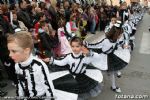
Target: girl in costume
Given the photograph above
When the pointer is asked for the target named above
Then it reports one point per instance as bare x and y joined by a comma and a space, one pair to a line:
65, 47
128, 32
71, 27
77, 76
108, 46
111, 24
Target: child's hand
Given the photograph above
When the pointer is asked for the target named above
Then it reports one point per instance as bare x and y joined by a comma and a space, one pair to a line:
46, 60
85, 50
126, 46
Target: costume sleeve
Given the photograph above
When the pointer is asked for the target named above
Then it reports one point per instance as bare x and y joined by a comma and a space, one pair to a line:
126, 34
92, 55
107, 46
48, 85
104, 45
107, 29
19, 90
99, 60
61, 61
129, 29
95, 45
68, 28
42, 79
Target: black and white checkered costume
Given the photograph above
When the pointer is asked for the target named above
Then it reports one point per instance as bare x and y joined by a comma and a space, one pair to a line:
74, 74
109, 52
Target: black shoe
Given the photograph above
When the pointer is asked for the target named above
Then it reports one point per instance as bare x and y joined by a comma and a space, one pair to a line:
92, 32
117, 90
3, 85
119, 74
2, 93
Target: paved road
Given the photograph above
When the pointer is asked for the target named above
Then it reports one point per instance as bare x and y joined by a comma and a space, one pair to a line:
136, 77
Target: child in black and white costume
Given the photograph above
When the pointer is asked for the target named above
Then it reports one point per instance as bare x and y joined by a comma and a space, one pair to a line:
109, 47
132, 23
111, 24
78, 76
128, 32
32, 73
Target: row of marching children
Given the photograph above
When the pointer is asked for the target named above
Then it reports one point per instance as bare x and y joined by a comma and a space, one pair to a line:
77, 74
119, 50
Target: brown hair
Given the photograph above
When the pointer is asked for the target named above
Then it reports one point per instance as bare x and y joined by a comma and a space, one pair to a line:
77, 39
61, 22
42, 23
66, 4
114, 33
73, 15
22, 38
14, 12
4, 8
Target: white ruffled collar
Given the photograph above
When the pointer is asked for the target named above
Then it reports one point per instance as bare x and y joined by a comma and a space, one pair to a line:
77, 55
27, 62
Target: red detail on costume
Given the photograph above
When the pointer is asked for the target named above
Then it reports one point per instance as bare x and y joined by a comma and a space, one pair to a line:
62, 33
72, 28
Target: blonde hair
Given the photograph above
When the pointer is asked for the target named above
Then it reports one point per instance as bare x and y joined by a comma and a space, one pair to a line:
22, 38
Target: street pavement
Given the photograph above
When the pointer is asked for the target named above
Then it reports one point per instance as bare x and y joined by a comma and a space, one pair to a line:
135, 80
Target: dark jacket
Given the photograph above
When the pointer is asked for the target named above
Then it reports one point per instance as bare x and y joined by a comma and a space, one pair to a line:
5, 28
47, 41
25, 18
